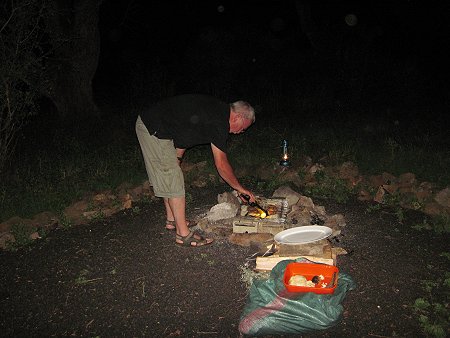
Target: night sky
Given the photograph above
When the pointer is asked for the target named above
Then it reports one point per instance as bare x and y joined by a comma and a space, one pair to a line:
389, 55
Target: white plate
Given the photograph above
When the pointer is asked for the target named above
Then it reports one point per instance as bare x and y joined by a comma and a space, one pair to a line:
302, 235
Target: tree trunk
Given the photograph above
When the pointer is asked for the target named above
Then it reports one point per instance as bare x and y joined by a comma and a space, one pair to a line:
74, 35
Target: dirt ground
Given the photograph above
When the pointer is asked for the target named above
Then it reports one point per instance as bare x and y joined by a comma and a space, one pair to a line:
125, 277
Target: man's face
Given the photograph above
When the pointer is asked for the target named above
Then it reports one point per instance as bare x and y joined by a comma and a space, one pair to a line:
238, 124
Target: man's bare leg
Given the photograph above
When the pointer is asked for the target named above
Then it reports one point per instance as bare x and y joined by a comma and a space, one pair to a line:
178, 208
169, 213
169, 216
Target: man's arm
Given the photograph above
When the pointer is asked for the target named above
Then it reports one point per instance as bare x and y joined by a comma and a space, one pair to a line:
226, 172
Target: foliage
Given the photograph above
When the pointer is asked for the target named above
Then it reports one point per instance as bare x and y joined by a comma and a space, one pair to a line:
438, 224
21, 233
64, 221
98, 216
373, 207
433, 309
329, 187
21, 56
51, 179
136, 210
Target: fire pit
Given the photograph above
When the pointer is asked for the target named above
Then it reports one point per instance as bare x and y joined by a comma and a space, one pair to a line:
254, 220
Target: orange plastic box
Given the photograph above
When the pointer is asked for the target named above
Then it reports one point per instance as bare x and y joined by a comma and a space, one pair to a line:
326, 285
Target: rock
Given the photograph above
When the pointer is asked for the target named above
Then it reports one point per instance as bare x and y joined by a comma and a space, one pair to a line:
46, 220
305, 202
228, 197
407, 189
107, 212
424, 192
135, 193
123, 188
104, 199
335, 233
258, 240
354, 181
433, 209
6, 226
310, 249
299, 217
443, 198
101, 212
407, 183
200, 182
390, 188
385, 179
376, 181
91, 214
409, 201
379, 196
5, 239
364, 195
306, 161
291, 196
222, 211
215, 178
315, 168
217, 229
388, 178
127, 201
35, 235
335, 221
407, 180
75, 212
348, 171
320, 212
146, 187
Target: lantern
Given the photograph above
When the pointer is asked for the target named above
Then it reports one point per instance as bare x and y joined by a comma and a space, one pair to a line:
285, 156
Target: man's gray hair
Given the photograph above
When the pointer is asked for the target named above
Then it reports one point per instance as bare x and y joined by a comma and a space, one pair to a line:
243, 109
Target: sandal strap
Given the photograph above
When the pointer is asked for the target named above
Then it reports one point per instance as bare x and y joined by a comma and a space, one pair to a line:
189, 239
185, 238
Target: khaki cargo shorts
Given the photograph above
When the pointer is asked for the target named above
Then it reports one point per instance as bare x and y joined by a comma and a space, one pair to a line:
160, 159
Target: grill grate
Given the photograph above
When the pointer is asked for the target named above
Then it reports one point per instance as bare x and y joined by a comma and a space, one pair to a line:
271, 224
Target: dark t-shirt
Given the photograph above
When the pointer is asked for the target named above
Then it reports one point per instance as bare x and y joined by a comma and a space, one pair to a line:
189, 120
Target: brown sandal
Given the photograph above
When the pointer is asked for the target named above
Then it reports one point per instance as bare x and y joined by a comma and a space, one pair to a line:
172, 224
191, 241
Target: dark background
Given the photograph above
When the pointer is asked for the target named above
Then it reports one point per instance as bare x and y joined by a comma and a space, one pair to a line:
391, 65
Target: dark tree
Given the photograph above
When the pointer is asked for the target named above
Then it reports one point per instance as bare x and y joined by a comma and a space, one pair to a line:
73, 32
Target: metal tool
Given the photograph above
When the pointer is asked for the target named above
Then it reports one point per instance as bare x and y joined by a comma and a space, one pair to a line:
256, 205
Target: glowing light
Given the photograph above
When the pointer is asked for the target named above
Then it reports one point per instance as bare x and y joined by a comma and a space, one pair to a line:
284, 159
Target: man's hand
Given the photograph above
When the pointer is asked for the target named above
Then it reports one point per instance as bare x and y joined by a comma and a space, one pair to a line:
249, 194
180, 154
